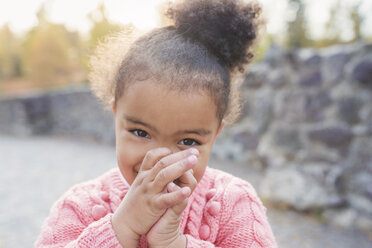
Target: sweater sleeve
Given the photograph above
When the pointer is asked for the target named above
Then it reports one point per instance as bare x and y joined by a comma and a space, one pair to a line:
242, 223
71, 224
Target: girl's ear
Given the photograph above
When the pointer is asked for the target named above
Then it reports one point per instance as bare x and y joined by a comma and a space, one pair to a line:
114, 109
220, 127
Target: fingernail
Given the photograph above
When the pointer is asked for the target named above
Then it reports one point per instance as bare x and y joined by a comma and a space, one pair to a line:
192, 159
172, 185
194, 151
185, 190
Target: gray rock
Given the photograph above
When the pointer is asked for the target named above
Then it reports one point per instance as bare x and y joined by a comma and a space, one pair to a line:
315, 105
274, 56
255, 77
341, 217
368, 47
322, 172
318, 154
356, 180
262, 113
38, 114
311, 59
327, 176
248, 140
362, 73
364, 223
286, 138
362, 130
332, 135
293, 59
13, 117
228, 150
334, 64
300, 106
291, 107
360, 155
360, 203
368, 190
290, 187
311, 78
71, 112
348, 109
310, 74
278, 78
87, 121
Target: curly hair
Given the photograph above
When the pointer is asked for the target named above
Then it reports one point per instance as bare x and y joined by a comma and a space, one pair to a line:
208, 44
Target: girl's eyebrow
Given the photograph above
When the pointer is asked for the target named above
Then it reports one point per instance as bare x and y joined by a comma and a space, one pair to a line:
200, 131
136, 121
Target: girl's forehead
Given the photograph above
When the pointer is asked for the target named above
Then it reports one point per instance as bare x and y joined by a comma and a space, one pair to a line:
156, 88
156, 103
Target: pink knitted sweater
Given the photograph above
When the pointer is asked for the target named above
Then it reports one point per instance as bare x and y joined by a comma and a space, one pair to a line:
223, 211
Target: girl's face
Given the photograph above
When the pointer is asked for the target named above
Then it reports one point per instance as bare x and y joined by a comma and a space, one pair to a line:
149, 115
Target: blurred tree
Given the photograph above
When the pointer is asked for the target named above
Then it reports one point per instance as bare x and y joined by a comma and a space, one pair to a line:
262, 46
357, 20
296, 28
9, 54
332, 28
50, 54
101, 26
332, 33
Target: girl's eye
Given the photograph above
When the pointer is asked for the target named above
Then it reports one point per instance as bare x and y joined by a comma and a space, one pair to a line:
140, 133
189, 142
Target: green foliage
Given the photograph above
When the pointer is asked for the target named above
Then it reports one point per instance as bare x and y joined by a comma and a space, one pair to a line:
9, 54
296, 29
333, 29
263, 44
50, 54
101, 27
357, 21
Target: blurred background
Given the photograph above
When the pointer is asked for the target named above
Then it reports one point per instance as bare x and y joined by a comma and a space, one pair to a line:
304, 139
30, 30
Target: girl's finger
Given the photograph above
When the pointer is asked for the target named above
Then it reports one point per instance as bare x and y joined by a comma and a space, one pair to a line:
153, 156
171, 159
168, 200
187, 180
172, 172
178, 209
172, 187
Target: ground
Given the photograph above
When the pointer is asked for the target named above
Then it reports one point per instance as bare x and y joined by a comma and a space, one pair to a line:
35, 171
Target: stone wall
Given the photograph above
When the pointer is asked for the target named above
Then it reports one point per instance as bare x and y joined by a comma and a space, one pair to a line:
71, 112
306, 125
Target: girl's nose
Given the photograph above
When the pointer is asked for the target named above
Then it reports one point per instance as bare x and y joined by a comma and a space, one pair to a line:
173, 147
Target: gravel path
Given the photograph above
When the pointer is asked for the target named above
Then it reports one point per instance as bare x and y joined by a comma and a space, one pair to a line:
36, 171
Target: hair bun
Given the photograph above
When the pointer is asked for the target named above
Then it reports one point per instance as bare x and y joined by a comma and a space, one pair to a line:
227, 28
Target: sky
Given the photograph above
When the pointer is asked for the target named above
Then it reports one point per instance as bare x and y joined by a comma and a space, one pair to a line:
20, 14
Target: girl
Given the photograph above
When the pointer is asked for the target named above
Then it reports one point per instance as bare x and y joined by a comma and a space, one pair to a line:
171, 96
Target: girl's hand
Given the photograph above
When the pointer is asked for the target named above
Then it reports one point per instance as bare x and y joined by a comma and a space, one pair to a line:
165, 233
148, 198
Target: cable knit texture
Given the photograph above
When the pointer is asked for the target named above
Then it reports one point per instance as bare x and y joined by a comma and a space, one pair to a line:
223, 211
